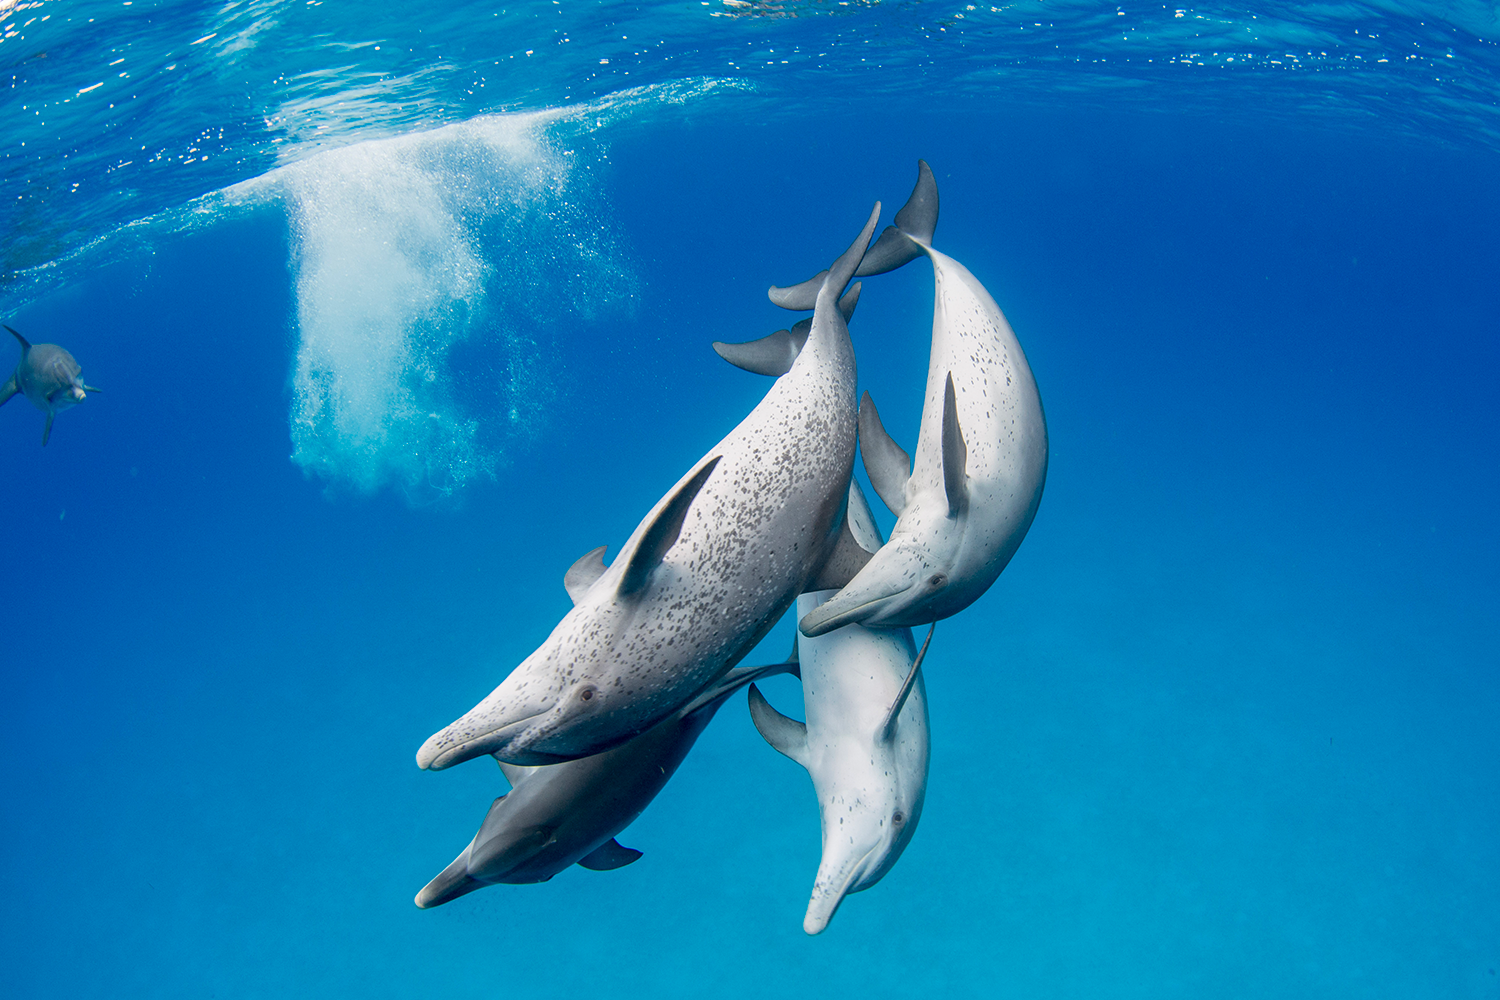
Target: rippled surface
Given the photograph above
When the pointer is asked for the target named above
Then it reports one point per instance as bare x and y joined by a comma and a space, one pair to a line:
117, 111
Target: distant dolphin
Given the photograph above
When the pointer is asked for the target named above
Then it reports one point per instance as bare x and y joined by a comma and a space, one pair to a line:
981, 462
49, 377
568, 813
865, 744
703, 578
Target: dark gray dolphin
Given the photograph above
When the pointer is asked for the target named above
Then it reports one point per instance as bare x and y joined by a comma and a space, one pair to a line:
702, 579
564, 814
49, 377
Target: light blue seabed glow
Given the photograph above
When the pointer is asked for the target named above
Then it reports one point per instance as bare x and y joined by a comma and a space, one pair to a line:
397, 312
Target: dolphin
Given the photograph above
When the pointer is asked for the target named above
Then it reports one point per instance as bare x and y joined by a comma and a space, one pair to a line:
967, 502
701, 580
561, 814
865, 743
49, 377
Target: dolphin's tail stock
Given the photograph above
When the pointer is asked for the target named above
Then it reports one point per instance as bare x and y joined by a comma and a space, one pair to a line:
898, 244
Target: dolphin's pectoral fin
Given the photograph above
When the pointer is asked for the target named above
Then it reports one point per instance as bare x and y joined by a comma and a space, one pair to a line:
887, 729
24, 345
8, 390
582, 574
787, 735
772, 355
609, 856
886, 462
451, 882
662, 533
736, 679
47, 431
92, 388
515, 773
955, 454
798, 298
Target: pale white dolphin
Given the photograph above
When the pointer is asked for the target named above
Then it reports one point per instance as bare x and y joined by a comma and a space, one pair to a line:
702, 579
570, 813
49, 377
965, 505
865, 744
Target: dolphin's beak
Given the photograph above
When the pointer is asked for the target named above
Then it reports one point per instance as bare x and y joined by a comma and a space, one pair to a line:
849, 606
829, 891
452, 882
478, 733
78, 394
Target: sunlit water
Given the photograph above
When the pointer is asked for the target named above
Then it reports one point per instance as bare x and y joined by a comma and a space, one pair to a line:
398, 311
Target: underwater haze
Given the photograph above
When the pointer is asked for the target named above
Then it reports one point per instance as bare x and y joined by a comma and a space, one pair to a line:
397, 310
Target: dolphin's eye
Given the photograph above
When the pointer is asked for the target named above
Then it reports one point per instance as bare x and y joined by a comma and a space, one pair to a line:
586, 694
899, 818
937, 580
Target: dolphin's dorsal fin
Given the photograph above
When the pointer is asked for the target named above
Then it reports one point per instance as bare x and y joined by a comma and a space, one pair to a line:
514, 773
8, 390
608, 856
886, 462
787, 735
771, 355
858, 540
24, 345
662, 533
887, 731
582, 574
955, 454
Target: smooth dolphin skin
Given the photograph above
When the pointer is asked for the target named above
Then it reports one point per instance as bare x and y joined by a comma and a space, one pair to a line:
966, 503
865, 744
700, 581
49, 377
570, 813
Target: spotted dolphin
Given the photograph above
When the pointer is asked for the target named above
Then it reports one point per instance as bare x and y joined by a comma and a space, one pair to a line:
49, 377
701, 580
865, 744
967, 502
563, 814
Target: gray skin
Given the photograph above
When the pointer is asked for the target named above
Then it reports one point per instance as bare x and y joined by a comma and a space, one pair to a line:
570, 813
866, 745
965, 505
702, 579
49, 377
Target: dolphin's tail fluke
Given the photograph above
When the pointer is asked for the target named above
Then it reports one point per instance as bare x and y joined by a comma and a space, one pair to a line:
452, 882
24, 345
8, 390
903, 242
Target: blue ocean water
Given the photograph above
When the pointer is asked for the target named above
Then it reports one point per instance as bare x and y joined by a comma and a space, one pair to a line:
398, 311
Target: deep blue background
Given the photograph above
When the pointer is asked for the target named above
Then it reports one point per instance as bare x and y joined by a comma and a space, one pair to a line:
1226, 726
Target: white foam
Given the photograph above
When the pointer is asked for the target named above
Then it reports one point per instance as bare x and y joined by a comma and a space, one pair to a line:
403, 248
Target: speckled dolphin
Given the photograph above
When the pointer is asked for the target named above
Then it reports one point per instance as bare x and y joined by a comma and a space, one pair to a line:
570, 813
964, 507
702, 579
49, 377
865, 744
